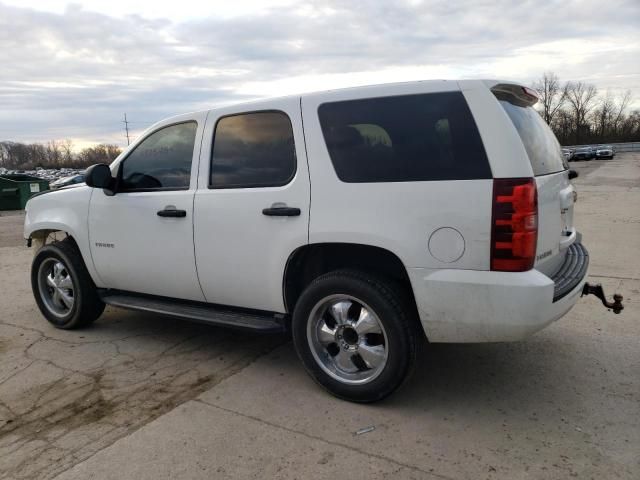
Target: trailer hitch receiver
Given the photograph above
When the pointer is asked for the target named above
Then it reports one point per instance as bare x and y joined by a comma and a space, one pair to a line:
597, 290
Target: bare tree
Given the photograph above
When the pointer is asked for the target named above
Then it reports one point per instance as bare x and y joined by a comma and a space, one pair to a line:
97, 154
112, 152
630, 127
552, 95
67, 151
620, 106
563, 126
602, 115
4, 154
53, 155
581, 98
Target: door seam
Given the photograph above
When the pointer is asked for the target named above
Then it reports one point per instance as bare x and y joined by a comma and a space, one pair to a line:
193, 208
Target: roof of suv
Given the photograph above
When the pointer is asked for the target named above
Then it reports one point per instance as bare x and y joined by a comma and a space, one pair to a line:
461, 84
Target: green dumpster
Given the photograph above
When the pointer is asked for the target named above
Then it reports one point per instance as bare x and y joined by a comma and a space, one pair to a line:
15, 190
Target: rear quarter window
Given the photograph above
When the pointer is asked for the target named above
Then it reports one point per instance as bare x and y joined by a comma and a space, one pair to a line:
405, 138
542, 146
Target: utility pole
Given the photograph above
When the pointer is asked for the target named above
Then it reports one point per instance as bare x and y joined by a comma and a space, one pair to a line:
126, 127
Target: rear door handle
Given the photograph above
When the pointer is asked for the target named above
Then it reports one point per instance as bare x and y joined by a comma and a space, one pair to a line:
281, 211
170, 211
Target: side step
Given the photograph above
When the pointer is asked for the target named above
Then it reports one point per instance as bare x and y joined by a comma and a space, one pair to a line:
257, 321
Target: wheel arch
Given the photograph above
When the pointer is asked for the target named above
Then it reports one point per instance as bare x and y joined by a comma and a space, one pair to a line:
43, 233
310, 261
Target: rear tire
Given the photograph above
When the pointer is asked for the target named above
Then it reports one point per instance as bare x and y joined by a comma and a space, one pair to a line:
63, 288
355, 334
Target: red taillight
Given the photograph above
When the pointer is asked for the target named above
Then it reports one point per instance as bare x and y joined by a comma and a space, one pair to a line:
514, 226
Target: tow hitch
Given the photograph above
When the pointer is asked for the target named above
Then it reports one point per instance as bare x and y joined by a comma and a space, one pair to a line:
597, 290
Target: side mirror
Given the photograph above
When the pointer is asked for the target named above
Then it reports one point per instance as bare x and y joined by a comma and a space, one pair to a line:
573, 174
99, 176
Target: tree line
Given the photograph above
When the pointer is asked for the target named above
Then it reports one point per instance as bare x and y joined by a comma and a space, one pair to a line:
54, 154
579, 114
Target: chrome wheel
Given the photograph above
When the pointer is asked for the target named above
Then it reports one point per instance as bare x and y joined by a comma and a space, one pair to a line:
56, 287
347, 339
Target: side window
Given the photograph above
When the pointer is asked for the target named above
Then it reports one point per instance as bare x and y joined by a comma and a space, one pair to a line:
405, 138
253, 150
162, 160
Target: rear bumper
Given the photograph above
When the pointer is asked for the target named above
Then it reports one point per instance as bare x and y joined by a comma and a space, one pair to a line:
572, 272
461, 306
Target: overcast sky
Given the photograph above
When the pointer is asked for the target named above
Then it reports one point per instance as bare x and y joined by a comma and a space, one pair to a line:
70, 70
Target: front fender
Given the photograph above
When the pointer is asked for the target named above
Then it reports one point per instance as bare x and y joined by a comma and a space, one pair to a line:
67, 211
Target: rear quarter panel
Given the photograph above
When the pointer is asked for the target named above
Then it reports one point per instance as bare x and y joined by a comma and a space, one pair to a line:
507, 155
508, 158
400, 216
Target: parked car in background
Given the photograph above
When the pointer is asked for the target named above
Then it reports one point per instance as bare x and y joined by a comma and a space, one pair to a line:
67, 181
50, 174
604, 151
568, 154
584, 153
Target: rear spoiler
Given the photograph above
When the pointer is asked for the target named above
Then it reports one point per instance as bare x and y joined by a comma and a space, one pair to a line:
516, 94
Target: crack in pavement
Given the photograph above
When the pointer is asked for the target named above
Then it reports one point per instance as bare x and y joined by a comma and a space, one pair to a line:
613, 277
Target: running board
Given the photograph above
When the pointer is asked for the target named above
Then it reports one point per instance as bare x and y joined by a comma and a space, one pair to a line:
261, 322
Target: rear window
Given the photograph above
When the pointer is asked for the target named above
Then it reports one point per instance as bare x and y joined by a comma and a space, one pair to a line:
404, 139
542, 146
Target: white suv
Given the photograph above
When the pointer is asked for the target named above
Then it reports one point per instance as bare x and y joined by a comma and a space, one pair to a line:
362, 219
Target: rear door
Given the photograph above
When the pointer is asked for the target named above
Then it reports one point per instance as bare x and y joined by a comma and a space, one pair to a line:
251, 209
555, 193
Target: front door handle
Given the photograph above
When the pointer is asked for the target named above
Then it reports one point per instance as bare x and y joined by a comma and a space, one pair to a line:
170, 211
281, 211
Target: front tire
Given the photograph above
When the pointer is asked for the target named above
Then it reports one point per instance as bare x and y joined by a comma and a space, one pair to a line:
355, 334
63, 288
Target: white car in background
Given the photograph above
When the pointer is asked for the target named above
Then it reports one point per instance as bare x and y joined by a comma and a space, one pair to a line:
604, 151
364, 220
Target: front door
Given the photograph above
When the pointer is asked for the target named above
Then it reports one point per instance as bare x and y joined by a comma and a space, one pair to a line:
252, 203
142, 237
